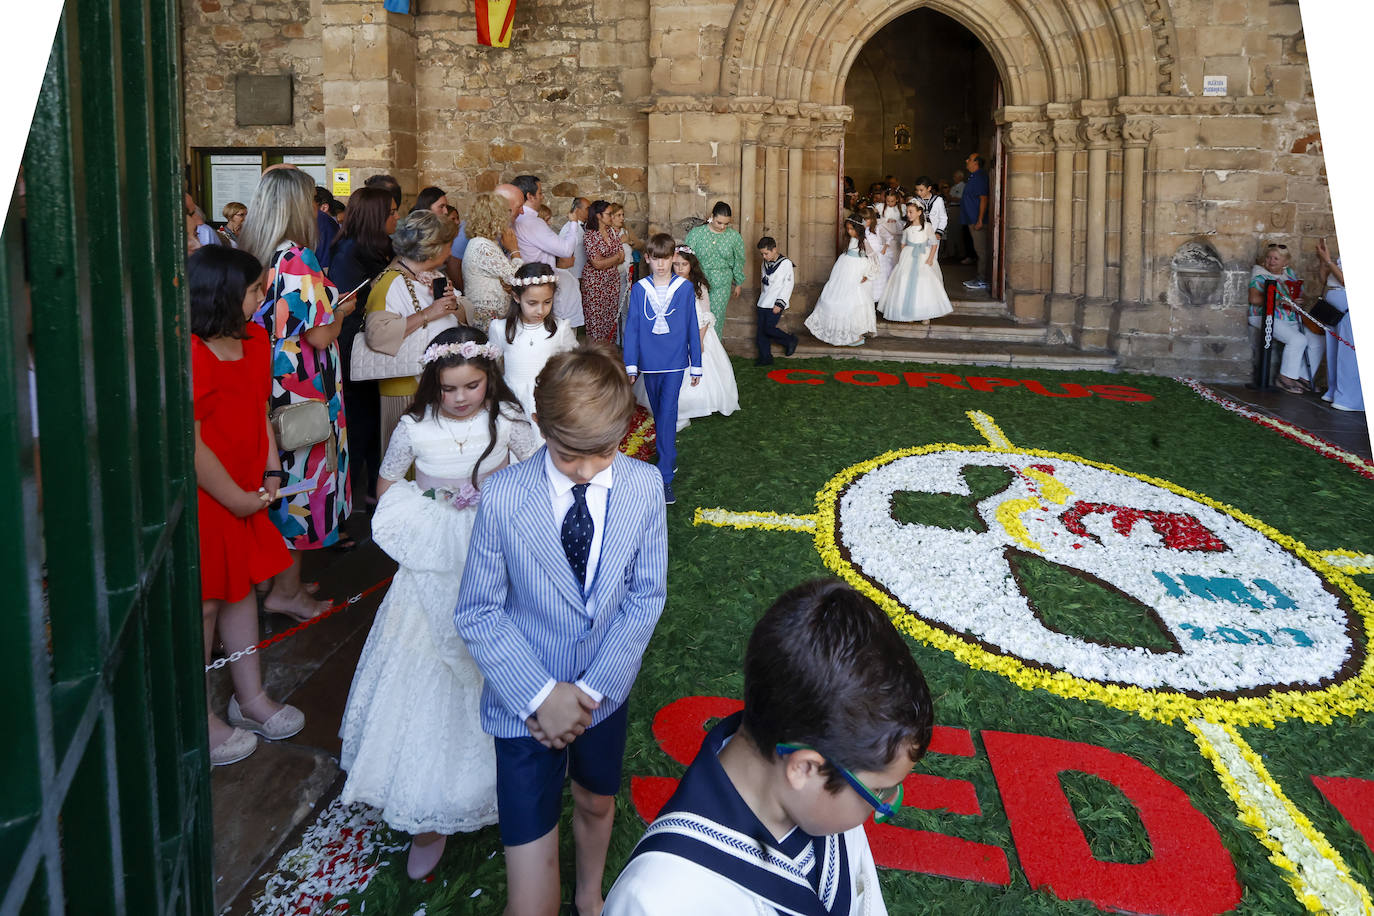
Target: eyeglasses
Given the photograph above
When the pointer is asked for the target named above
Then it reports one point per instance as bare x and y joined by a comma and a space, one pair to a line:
885, 802
1278, 246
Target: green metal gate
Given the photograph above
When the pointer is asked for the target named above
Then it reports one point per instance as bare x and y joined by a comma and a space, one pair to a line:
104, 776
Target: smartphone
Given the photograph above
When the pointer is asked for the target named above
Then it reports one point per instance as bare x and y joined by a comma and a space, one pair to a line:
352, 292
440, 286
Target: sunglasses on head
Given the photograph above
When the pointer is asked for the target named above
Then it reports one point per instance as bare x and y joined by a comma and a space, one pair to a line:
1278, 246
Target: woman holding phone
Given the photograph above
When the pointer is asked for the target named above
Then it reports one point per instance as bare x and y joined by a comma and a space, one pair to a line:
403, 303
362, 249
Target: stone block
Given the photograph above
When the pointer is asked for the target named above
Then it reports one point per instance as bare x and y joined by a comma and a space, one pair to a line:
506, 153
1284, 19
685, 72
1237, 132
1231, 160
474, 103
1094, 339
1235, 67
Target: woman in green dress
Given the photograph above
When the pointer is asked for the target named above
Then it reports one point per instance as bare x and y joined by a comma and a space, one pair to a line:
721, 253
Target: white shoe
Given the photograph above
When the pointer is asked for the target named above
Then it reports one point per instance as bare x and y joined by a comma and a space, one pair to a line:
975, 284
284, 723
237, 746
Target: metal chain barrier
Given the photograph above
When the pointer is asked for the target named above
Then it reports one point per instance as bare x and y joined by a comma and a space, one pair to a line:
1325, 327
229, 659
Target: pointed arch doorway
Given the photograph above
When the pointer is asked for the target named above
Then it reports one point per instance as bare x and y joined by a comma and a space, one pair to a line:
923, 90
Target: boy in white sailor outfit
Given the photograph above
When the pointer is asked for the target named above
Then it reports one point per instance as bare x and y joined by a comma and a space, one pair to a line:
933, 205
661, 342
774, 291
769, 817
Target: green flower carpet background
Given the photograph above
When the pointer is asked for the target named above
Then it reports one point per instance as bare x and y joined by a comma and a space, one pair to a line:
801, 426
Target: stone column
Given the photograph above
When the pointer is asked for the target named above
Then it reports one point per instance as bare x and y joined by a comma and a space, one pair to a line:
1097, 134
1135, 139
798, 139
369, 91
1028, 233
1066, 145
748, 192
774, 192
822, 223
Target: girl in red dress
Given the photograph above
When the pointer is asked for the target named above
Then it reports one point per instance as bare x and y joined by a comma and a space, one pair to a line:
238, 474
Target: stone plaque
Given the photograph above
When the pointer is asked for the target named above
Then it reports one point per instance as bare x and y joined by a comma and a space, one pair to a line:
262, 99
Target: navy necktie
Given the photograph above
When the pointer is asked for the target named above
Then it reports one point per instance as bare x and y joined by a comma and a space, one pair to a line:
577, 534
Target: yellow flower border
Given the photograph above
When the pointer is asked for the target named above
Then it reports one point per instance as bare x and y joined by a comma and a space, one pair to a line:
1353, 695
1268, 823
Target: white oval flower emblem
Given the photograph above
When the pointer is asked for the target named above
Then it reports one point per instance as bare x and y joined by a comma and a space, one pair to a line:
962, 538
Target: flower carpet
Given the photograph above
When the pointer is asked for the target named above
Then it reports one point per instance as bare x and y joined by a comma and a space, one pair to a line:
1144, 615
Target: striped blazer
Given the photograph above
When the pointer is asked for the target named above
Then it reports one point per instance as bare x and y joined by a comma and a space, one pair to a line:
521, 611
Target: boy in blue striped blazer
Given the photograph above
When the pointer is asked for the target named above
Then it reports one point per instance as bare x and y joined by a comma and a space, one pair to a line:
565, 580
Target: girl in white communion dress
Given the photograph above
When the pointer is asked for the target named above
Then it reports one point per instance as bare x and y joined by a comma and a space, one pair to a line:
413, 745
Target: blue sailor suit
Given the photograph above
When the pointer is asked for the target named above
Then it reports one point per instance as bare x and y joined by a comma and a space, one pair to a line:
662, 340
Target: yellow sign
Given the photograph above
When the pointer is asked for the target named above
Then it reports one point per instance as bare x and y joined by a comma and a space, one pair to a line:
343, 182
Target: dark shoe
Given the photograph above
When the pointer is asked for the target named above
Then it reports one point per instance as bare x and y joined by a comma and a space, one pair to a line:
791, 347
668, 496
763, 362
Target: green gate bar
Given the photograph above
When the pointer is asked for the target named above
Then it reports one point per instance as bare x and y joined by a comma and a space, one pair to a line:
106, 805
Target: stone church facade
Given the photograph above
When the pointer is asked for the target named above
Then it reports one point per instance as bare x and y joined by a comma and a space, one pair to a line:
1130, 204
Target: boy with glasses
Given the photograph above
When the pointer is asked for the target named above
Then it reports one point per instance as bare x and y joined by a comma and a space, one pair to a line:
770, 814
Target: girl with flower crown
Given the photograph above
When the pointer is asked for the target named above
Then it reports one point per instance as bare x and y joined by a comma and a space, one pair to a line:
843, 316
530, 334
412, 743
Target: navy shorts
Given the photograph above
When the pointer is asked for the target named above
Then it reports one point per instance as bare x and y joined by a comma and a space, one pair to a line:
530, 776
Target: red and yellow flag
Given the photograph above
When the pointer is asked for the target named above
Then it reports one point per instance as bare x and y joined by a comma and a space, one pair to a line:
494, 21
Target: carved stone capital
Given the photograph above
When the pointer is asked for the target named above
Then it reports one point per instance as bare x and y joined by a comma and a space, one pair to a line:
1018, 114
1137, 131
842, 113
1066, 133
751, 104
786, 106
1099, 133
809, 110
1026, 135
1092, 108
750, 126
829, 133
774, 131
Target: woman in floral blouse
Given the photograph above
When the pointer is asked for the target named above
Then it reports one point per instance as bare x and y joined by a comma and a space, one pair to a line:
487, 271
721, 253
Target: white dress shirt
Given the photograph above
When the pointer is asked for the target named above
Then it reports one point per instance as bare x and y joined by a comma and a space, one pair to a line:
573, 231
561, 499
538, 242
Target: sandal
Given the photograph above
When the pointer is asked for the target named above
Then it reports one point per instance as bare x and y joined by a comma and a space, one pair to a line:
1289, 385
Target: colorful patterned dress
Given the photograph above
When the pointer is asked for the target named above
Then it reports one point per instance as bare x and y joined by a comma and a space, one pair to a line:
600, 288
300, 298
722, 259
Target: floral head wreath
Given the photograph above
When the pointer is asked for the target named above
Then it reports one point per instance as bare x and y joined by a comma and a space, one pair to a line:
683, 249
468, 349
533, 281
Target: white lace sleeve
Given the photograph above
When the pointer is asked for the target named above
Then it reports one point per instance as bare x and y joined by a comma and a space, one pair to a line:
491, 261
400, 455
524, 442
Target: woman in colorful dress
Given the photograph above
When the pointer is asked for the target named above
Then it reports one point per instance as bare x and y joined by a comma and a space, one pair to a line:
721, 253
487, 270
601, 275
1298, 346
303, 326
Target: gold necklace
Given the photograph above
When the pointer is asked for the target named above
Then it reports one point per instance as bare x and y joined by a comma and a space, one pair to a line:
467, 430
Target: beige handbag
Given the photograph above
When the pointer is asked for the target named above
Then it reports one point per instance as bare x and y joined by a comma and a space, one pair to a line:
367, 364
300, 425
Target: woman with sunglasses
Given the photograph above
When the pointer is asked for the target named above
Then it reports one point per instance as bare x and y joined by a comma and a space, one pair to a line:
1302, 352
836, 712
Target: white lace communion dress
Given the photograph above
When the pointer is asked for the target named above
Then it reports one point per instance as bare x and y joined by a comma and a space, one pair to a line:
413, 744
717, 392
843, 315
526, 356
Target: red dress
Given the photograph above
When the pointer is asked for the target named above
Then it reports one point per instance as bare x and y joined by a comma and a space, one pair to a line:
231, 405
600, 288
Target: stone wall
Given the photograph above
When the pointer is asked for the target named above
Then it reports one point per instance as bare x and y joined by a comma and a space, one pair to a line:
221, 38
1113, 158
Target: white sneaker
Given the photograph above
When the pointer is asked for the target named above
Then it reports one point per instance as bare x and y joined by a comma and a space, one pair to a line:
975, 284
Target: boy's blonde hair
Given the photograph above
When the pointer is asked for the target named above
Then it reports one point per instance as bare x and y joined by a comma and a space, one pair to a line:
583, 399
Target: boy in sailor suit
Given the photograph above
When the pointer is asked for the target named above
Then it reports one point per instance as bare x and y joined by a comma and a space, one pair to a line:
769, 817
661, 341
775, 290
565, 581
934, 206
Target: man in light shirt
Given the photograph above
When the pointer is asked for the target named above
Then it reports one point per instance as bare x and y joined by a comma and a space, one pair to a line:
537, 240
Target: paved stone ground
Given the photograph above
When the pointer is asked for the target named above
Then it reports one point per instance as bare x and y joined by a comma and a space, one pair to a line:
261, 802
